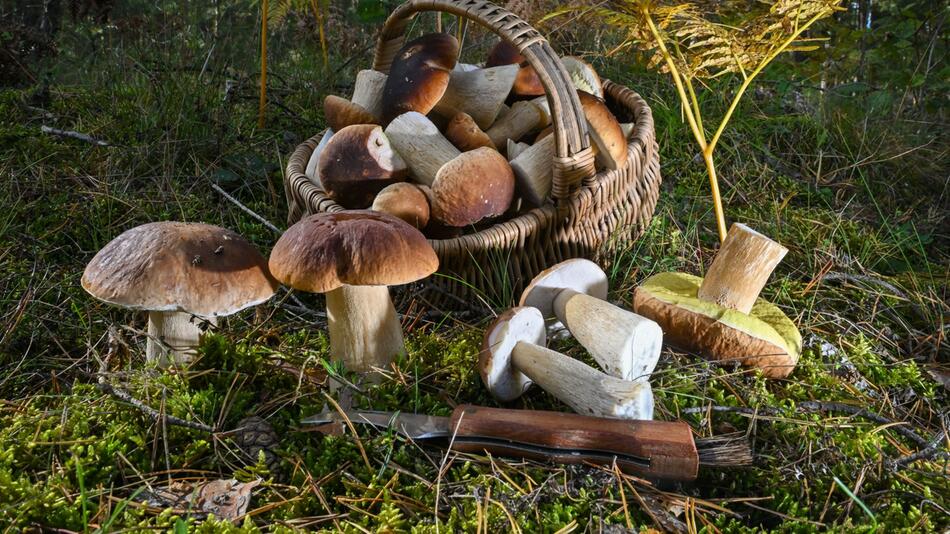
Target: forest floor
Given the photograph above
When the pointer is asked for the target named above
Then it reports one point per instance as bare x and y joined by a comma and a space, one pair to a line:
854, 439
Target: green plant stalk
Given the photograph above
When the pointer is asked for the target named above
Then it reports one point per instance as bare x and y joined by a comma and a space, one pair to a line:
263, 99
693, 113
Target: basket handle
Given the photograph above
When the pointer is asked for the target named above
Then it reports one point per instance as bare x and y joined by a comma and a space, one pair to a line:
574, 158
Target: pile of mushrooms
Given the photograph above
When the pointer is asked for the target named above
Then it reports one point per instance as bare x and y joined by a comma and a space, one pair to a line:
571, 296
471, 142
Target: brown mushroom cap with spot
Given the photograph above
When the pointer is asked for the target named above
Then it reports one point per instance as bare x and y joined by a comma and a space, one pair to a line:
341, 113
195, 268
475, 185
406, 201
358, 247
419, 75
464, 133
527, 83
605, 132
352, 256
357, 163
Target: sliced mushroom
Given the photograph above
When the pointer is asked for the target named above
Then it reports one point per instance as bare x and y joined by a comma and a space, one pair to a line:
357, 163
513, 357
572, 295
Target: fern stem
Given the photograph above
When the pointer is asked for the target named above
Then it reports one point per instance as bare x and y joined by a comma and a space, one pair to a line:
717, 200
263, 100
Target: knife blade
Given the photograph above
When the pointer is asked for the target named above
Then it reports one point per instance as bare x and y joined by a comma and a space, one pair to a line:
655, 449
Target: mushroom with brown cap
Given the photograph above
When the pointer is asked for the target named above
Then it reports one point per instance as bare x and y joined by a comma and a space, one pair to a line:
527, 83
419, 75
572, 295
357, 163
513, 357
353, 256
609, 142
404, 200
721, 317
178, 272
341, 113
464, 133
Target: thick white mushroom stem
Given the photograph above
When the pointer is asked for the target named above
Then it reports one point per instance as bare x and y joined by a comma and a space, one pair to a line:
481, 93
583, 388
421, 145
743, 264
625, 345
515, 149
368, 91
365, 333
534, 170
173, 337
525, 116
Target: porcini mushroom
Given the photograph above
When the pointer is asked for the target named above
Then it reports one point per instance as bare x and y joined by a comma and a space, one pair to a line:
572, 295
721, 316
341, 113
421, 145
419, 75
406, 201
515, 149
480, 93
357, 163
609, 142
178, 272
534, 171
524, 117
527, 83
464, 133
513, 356
353, 256
368, 91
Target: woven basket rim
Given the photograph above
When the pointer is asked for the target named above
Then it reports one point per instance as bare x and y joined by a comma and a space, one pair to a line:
296, 166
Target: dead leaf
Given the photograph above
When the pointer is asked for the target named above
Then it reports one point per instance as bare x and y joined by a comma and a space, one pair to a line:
225, 499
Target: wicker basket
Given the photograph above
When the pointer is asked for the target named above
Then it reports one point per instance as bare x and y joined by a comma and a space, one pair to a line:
587, 211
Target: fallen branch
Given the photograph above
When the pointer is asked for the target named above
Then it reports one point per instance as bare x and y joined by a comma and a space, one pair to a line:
154, 414
246, 209
73, 135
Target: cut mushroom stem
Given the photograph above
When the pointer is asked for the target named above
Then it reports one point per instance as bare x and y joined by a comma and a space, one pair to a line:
365, 332
627, 129
534, 170
481, 93
513, 356
173, 337
743, 264
571, 294
515, 149
424, 149
524, 117
368, 91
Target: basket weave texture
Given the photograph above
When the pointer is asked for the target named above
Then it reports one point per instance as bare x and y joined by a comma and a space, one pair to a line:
588, 211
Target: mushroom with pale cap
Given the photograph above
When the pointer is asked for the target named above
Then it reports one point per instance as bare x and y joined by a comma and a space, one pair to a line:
419, 75
357, 163
572, 294
178, 271
352, 256
721, 316
513, 356
407, 201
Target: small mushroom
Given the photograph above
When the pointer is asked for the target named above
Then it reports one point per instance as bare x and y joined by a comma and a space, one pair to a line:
605, 134
513, 357
341, 113
357, 163
464, 133
178, 272
353, 256
406, 201
527, 83
571, 295
481, 93
419, 75
721, 316
583, 75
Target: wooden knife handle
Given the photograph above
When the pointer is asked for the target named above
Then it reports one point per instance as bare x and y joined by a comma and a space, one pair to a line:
652, 449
